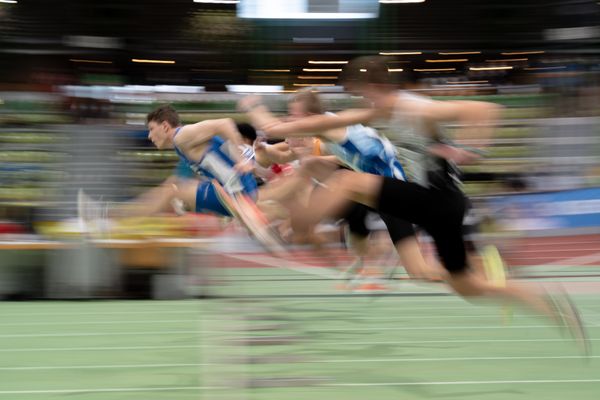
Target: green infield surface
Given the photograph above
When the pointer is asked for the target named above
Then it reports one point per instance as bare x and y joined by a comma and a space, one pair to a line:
295, 333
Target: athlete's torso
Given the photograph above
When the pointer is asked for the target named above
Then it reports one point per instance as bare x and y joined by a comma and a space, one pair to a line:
217, 162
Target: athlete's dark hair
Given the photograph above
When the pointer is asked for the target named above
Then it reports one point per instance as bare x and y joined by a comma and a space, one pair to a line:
247, 131
164, 113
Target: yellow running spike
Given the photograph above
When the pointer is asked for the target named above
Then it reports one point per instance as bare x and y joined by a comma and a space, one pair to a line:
495, 272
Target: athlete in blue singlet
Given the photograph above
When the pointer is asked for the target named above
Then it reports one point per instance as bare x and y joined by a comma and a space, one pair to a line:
202, 148
222, 183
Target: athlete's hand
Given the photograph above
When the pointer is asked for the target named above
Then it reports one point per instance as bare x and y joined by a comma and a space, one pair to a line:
455, 154
260, 144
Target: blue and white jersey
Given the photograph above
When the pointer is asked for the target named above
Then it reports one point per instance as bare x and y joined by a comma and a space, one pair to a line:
217, 162
364, 150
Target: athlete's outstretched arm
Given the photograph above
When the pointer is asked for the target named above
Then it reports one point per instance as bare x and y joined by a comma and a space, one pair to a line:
278, 153
314, 125
196, 134
477, 117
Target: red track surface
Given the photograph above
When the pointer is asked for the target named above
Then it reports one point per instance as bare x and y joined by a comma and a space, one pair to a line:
556, 250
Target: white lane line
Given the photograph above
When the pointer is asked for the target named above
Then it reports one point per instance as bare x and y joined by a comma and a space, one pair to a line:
440, 359
106, 348
369, 329
316, 361
499, 382
120, 322
380, 302
313, 343
98, 390
392, 318
116, 366
468, 341
107, 303
434, 328
322, 385
63, 334
401, 312
92, 313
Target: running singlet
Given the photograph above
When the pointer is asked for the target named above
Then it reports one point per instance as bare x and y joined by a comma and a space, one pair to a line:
364, 150
217, 163
407, 132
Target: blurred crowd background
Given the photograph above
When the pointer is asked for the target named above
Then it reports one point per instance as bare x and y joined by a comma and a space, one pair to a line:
78, 77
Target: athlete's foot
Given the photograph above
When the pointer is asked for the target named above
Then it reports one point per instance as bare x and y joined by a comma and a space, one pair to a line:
390, 272
178, 206
569, 318
354, 269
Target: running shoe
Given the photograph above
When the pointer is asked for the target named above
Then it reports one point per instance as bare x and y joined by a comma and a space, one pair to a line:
569, 317
92, 215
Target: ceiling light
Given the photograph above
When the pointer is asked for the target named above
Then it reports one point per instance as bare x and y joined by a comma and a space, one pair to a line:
434, 69
270, 70
314, 84
508, 60
327, 62
254, 88
448, 60
316, 77
395, 70
490, 68
322, 69
399, 53
457, 53
139, 60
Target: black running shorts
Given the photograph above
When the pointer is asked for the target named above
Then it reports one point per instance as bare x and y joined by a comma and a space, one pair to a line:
439, 212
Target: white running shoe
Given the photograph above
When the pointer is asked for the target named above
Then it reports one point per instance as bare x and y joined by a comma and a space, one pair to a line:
178, 206
92, 215
571, 320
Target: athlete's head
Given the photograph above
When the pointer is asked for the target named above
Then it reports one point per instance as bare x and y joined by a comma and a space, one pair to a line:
304, 103
161, 124
368, 76
247, 131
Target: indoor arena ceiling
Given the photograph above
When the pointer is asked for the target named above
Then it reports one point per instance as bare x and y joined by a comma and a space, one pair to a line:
210, 39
